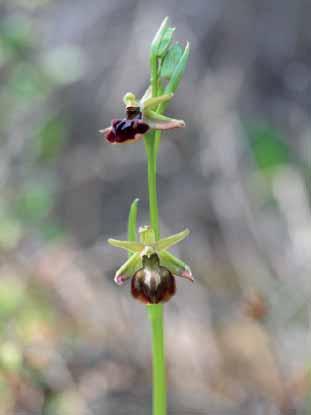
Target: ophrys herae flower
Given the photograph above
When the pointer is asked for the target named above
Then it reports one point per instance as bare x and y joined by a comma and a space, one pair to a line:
151, 267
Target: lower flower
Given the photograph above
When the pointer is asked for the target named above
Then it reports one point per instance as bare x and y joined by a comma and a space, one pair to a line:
151, 268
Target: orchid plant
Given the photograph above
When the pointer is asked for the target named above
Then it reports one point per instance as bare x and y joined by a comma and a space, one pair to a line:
150, 266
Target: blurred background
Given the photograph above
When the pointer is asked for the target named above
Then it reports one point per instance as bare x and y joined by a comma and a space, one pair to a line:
238, 340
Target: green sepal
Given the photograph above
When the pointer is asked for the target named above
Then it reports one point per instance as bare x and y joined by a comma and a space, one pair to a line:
171, 61
175, 265
128, 269
155, 44
165, 41
130, 246
166, 243
178, 72
132, 223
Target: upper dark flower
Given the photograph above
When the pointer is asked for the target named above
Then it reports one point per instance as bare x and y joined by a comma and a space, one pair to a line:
139, 119
130, 128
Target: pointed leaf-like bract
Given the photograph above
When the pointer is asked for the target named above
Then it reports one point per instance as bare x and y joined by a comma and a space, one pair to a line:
171, 87
165, 41
166, 243
154, 101
178, 72
128, 269
132, 223
158, 37
171, 61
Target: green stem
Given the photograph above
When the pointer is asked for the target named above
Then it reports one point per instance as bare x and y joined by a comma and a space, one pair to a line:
154, 75
152, 185
155, 312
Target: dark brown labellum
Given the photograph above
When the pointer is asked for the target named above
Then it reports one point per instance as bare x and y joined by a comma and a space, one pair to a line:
153, 283
126, 130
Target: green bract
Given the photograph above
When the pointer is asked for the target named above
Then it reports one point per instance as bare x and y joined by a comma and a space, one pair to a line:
178, 71
132, 223
165, 41
171, 60
155, 45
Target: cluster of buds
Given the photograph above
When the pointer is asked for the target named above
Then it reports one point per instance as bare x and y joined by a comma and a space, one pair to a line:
151, 267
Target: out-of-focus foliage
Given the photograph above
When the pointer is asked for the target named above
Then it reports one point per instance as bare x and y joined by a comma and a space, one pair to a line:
270, 151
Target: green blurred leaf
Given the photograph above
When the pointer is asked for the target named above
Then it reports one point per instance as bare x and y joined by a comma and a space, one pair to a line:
171, 61
51, 231
10, 232
5, 53
11, 358
12, 296
50, 139
34, 204
36, 316
269, 150
27, 81
6, 395
16, 33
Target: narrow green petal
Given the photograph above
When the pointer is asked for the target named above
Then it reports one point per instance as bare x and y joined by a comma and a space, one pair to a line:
170, 241
132, 223
128, 269
154, 116
130, 246
154, 101
175, 265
